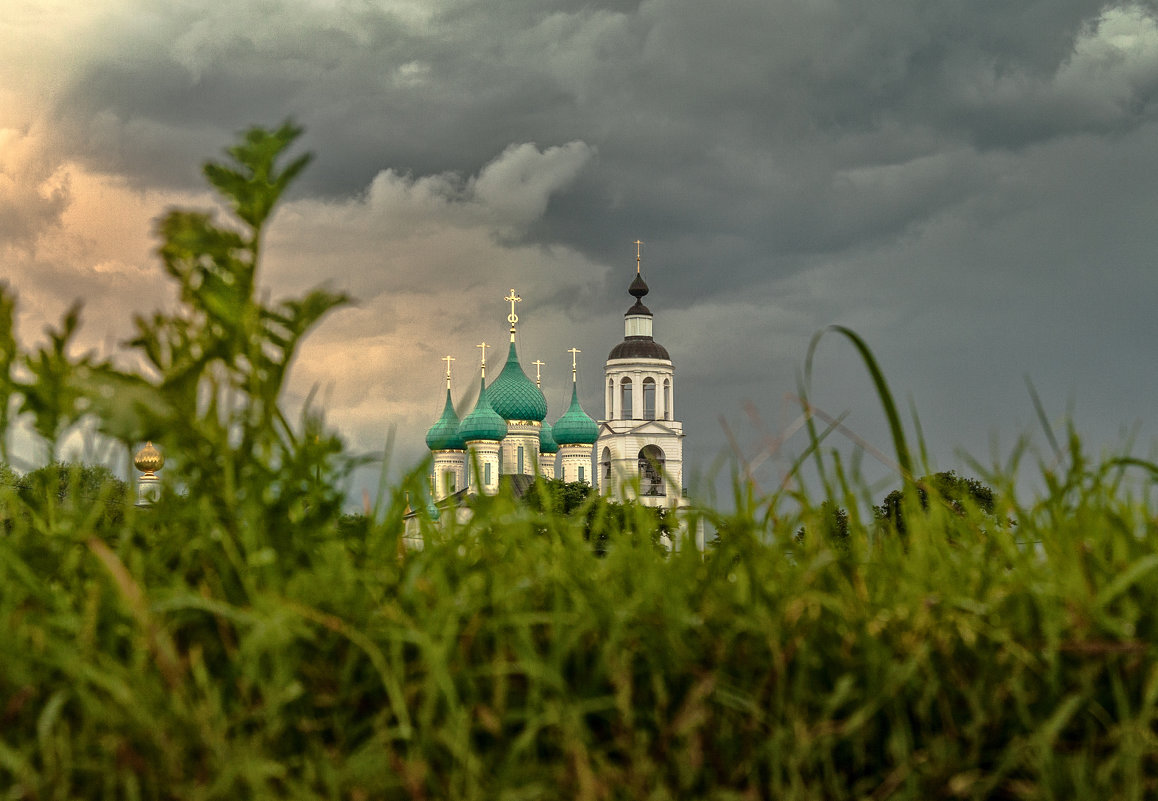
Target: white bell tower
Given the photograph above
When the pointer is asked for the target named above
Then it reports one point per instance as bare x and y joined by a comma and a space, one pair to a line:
639, 451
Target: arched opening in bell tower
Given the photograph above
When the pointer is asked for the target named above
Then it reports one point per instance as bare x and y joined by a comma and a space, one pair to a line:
649, 398
625, 393
651, 462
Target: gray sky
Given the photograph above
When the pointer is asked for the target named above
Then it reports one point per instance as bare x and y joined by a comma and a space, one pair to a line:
972, 186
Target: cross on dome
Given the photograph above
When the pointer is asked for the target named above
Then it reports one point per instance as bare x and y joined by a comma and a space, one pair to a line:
638, 244
538, 378
513, 318
448, 359
574, 363
483, 347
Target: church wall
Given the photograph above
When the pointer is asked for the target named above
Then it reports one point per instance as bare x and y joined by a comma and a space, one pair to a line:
572, 458
450, 464
525, 435
484, 454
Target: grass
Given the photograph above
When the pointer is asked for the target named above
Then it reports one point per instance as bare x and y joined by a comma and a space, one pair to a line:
167, 659
244, 639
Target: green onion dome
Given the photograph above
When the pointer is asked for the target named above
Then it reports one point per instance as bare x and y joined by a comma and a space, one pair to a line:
514, 396
547, 443
443, 435
483, 422
575, 427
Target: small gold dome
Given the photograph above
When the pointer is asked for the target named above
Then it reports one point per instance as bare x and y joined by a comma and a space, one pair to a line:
149, 459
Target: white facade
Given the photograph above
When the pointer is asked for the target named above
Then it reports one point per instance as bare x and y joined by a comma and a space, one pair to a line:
449, 473
521, 447
639, 453
484, 466
575, 463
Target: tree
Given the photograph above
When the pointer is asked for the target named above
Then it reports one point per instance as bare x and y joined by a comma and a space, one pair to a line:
958, 492
93, 490
604, 519
832, 523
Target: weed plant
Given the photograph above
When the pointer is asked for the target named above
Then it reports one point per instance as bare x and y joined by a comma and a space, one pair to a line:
242, 639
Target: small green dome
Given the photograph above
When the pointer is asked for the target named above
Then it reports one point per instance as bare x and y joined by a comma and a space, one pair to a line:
514, 396
547, 443
575, 427
483, 422
443, 435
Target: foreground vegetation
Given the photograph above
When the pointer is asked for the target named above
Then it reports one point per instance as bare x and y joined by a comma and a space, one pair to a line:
241, 639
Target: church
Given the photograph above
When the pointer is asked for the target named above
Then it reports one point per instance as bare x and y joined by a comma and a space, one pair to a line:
634, 452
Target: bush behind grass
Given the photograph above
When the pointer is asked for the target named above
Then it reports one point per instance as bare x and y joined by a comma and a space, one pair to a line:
243, 640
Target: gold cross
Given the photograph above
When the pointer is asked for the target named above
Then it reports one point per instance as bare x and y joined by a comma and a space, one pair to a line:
638, 245
448, 359
574, 362
538, 364
483, 347
513, 318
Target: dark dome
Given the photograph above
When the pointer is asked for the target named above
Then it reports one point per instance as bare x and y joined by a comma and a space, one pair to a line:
639, 348
638, 287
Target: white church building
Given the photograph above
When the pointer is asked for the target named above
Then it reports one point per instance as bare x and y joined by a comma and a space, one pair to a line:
634, 452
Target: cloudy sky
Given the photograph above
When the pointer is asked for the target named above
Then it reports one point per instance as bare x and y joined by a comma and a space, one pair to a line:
971, 185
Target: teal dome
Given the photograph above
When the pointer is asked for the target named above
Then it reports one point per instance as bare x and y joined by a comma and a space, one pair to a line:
547, 443
575, 427
443, 435
483, 422
514, 396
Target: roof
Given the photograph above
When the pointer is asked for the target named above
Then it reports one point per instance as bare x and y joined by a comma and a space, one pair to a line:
483, 423
547, 443
513, 395
443, 435
639, 348
575, 427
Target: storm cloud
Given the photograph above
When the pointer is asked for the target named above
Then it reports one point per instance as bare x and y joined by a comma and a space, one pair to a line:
971, 185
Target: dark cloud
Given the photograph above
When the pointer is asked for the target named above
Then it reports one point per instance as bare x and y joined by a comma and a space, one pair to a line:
968, 182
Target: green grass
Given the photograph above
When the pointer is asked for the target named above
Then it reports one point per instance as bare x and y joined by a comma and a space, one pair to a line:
171, 659
244, 639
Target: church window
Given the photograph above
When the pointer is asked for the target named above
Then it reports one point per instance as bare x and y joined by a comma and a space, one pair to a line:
625, 399
666, 399
520, 459
649, 398
651, 460
487, 474
605, 462
581, 478
610, 399
448, 482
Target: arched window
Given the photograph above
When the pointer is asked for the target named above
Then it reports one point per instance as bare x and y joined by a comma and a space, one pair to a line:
651, 461
649, 398
605, 462
520, 459
582, 479
625, 399
487, 474
667, 399
610, 399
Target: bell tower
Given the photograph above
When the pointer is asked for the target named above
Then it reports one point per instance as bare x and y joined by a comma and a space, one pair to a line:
639, 450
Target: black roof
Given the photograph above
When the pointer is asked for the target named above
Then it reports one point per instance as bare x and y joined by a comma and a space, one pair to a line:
639, 348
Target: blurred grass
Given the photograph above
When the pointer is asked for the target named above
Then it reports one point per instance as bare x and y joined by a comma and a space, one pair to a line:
506, 660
